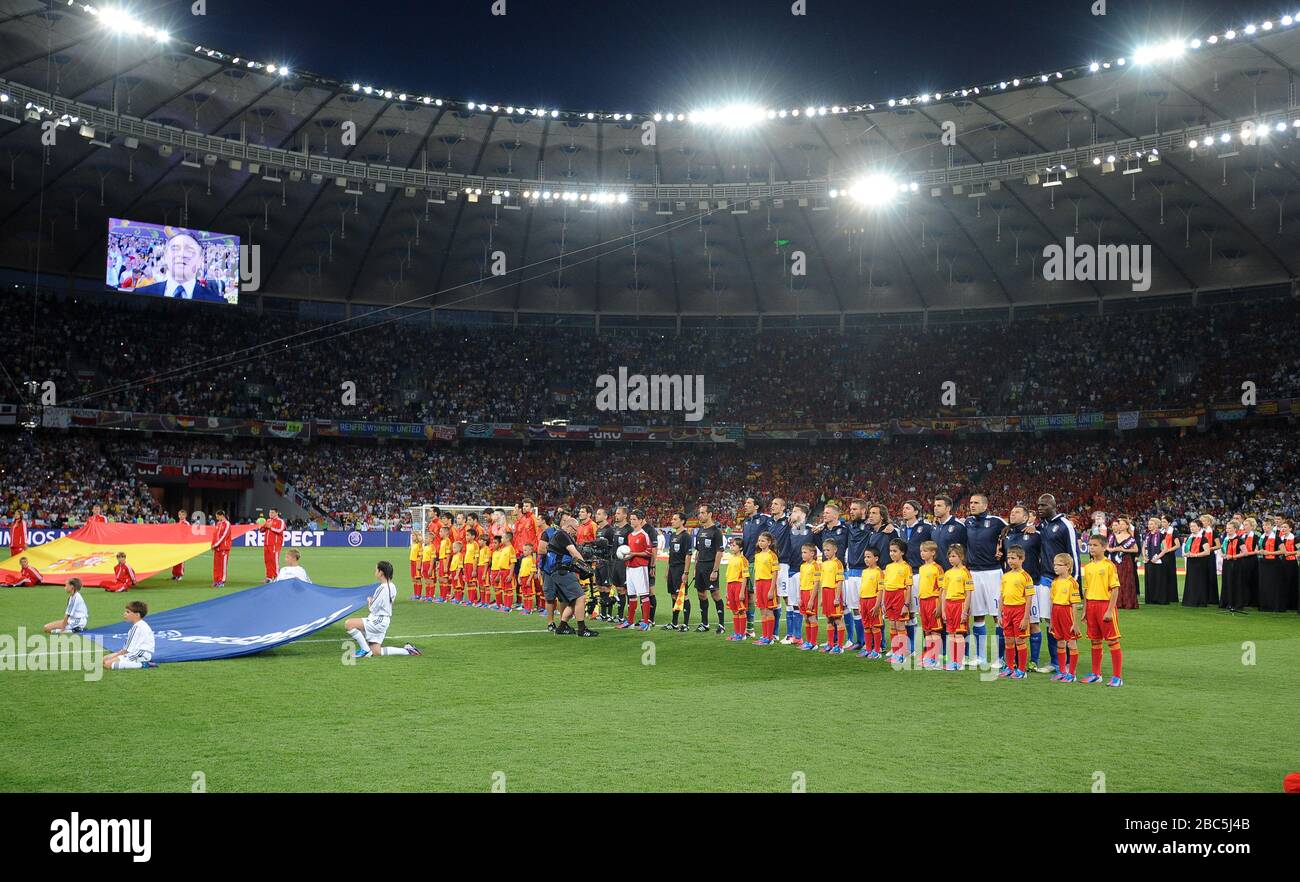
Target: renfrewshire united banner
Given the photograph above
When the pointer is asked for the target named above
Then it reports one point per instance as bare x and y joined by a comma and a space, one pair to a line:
90, 553
242, 623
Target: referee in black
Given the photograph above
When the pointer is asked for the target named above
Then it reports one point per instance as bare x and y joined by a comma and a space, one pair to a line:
604, 573
558, 552
618, 568
680, 545
708, 550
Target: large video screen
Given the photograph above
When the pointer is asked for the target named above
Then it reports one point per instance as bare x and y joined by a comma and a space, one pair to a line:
167, 261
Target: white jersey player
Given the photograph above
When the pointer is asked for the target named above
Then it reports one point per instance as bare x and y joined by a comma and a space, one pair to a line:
75, 615
369, 631
139, 649
293, 569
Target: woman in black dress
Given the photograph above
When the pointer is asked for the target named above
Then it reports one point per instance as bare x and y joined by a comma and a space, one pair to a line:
1247, 588
1290, 572
1123, 550
1229, 546
1159, 576
1272, 576
1201, 587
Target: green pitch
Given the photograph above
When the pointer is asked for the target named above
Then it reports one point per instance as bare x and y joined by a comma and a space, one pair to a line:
497, 699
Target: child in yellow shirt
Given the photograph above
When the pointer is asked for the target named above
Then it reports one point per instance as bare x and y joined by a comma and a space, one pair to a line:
928, 601
417, 581
737, 601
869, 605
898, 585
832, 581
809, 583
765, 567
958, 585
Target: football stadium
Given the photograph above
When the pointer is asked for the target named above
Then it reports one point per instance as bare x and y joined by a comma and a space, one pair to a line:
797, 431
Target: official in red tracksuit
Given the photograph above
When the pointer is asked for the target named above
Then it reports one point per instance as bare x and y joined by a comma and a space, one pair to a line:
220, 550
17, 535
123, 576
179, 570
26, 576
272, 542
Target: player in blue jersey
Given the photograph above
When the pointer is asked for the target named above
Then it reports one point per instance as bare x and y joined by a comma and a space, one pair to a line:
790, 551
984, 534
913, 530
946, 531
854, 562
1057, 536
882, 533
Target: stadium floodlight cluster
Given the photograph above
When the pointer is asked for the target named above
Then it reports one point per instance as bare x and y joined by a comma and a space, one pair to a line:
737, 116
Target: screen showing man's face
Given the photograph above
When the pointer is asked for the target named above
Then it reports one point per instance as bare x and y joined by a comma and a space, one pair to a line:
182, 259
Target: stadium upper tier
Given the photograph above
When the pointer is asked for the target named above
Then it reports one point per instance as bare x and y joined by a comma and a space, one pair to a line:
150, 356
706, 212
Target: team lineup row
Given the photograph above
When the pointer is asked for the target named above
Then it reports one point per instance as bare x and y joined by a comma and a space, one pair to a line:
950, 579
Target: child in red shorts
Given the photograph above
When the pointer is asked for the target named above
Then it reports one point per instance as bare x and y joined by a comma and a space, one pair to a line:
737, 601
898, 587
958, 585
1017, 595
809, 588
1100, 594
1065, 618
832, 582
765, 568
869, 606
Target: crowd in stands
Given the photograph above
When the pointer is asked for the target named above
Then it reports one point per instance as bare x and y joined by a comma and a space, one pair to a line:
1246, 468
170, 358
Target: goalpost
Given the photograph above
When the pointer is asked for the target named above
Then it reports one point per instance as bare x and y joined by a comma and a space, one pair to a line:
422, 515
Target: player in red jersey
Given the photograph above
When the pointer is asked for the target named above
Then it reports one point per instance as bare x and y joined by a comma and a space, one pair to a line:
123, 576
272, 542
638, 573
97, 516
221, 543
26, 576
17, 535
179, 570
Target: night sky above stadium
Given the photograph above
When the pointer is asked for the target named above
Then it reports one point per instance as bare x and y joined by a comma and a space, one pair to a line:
617, 55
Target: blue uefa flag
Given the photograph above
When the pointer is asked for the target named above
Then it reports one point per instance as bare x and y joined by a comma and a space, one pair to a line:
241, 623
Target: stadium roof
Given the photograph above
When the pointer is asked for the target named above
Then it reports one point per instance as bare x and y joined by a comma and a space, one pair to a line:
713, 214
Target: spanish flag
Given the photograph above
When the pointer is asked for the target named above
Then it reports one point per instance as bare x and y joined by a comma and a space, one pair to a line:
91, 552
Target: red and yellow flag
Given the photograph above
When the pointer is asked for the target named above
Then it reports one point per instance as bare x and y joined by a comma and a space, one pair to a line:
91, 552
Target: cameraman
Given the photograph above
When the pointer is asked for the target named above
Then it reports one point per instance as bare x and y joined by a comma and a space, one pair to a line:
558, 553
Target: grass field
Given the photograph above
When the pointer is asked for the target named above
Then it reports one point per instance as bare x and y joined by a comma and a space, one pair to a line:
495, 698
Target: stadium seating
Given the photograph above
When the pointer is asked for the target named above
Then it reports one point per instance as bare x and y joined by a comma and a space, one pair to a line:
228, 365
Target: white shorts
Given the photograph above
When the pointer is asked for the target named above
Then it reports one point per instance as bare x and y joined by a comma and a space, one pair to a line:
851, 593
988, 590
782, 580
638, 581
133, 662
791, 591
916, 600
375, 628
1040, 608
